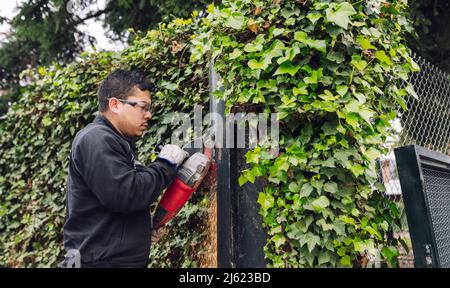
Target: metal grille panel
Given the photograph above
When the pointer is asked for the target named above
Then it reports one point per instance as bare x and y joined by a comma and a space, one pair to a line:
437, 191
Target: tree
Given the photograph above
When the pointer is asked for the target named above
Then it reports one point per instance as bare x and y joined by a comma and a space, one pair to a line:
142, 15
431, 20
46, 31
41, 32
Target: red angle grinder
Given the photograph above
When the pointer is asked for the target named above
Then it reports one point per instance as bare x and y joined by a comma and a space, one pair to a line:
189, 176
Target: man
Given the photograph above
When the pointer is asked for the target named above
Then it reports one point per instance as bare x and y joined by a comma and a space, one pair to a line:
108, 190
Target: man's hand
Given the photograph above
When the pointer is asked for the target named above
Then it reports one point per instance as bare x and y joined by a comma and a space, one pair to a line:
158, 233
173, 154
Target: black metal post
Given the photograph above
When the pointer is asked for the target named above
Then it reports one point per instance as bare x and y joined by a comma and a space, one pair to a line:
225, 257
240, 236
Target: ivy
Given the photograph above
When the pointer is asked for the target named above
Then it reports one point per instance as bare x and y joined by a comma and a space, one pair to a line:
331, 71
55, 103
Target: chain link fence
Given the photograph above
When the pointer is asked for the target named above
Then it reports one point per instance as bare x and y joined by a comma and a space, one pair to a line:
425, 123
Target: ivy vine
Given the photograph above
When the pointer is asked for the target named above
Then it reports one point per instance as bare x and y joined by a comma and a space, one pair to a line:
332, 70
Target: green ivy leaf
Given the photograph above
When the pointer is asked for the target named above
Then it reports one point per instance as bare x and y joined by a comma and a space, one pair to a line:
356, 168
345, 261
330, 162
242, 180
341, 14
358, 63
311, 241
394, 210
46, 121
306, 190
256, 45
339, 227
328, 96
236, 21
365, 43
320, 203
287, 68
348, 220
331, 187
372, 153
366, 114
324, 257
266, 201
342, 89
278, 31
329, 128
342, 155
352, 119
358, 245
279, 240
254, 64
288, 12
41, 71
414, 66
410, 89
312, 79
391, 253
314, 17
298, 229
381, 55
235, 54
324, 225
302, 90
320, 45
293, 187
373, 232
300, 36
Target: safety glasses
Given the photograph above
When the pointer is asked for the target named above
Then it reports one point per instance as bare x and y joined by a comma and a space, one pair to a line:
143, 105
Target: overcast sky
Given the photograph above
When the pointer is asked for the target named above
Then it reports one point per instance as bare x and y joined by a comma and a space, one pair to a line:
92, 27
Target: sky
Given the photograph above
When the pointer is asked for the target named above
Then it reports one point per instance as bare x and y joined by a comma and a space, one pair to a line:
92, 27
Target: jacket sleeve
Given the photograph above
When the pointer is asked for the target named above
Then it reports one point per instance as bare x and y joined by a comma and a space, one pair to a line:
104, 165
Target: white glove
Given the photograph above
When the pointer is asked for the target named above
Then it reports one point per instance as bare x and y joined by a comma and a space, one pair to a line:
173, 154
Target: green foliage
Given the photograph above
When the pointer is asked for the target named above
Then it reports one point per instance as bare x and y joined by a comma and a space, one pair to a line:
332, 70
46, 31
36, 135
41, 32
144, 14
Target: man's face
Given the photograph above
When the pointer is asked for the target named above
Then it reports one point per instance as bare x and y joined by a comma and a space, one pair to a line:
132, 117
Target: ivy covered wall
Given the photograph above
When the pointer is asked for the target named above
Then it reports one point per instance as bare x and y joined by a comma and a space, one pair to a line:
332, 70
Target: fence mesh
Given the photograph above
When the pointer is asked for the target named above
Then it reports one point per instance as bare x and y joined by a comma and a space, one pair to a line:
425, 123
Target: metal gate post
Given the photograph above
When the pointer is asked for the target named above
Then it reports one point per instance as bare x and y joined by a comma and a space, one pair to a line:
225, 249
240, 236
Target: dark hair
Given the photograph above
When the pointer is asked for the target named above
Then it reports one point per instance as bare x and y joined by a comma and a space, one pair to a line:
120, 84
